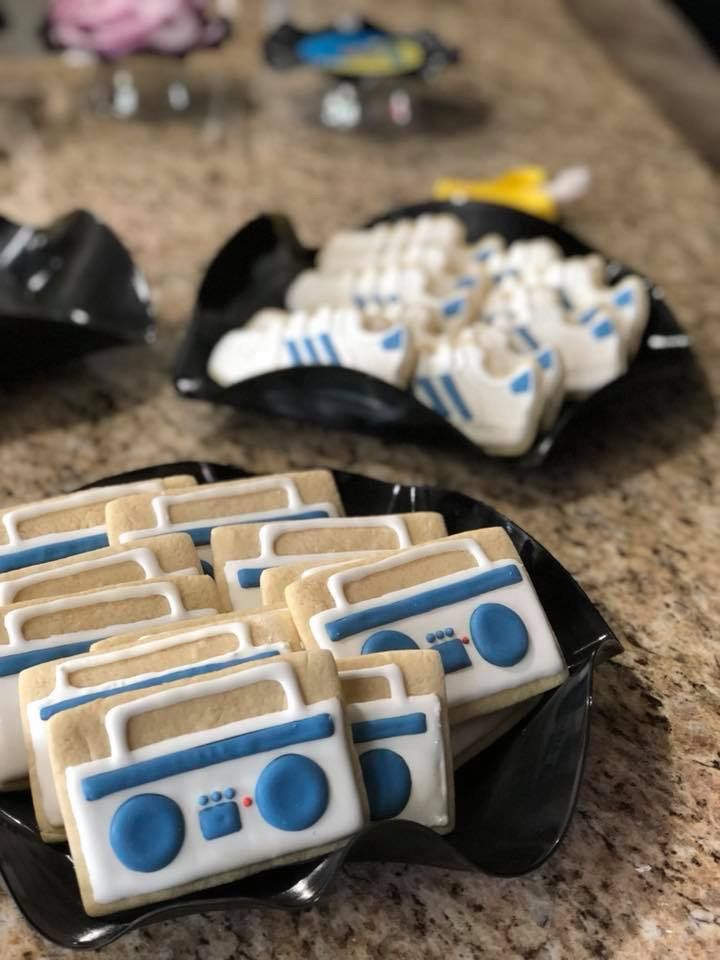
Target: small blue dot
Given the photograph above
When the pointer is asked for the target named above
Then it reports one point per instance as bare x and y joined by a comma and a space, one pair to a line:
228, 793
449, 631
430, 637
439, 634
202, 799
215, 796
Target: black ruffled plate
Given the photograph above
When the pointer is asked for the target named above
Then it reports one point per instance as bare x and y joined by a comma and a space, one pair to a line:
255, 268
514, 801
65, 290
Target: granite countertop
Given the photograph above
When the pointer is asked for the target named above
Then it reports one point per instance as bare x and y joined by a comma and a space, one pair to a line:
631, 515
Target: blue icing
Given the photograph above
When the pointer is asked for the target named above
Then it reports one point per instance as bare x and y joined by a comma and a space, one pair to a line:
388, 640
624, 298
295, 358
366, 730
249, 577
220, 820
449, 632
197, 758
453, 655
522, 383
527, 337
201, 535
452, 307
423, 602
203, 800
603, 329
452, 391
147, 832
21, 661
426, 385
292, 792
51, 709
587, 315
468, 281
394, 340
51, 551
499, 634
329, 347
388, 782
546, 359
229, 793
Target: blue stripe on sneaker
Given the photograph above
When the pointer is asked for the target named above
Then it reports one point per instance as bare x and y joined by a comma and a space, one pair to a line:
312, 352
295, 357
329, 349
426, 385
454, 394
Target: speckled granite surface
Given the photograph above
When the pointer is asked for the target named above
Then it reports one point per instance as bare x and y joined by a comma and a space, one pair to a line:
634, 515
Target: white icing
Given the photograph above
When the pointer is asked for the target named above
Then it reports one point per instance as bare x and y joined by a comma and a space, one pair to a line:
243, 598
13, 759
64, 689
257, 841
142, 556
12, 518
162, 503
482, 679
423, 753
326, 336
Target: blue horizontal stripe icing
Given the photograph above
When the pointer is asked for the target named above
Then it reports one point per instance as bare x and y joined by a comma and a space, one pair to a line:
51, 551
201, 535
198, 758
365, 730
423, 602
249, 577
51, 709
22, 661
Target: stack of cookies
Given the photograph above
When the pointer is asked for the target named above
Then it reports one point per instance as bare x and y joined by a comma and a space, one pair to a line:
491, 336
202, 682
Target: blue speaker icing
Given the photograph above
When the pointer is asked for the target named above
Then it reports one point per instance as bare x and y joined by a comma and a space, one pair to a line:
393, 341
388, 782
388, 640
292, 792
623, 298
522, 383
499, 634
423, 602
147, 832
453, 655
101, 785
219, 820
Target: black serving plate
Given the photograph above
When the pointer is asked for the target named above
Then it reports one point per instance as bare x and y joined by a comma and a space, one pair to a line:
514, 801
290, 46
256, 266
65, 290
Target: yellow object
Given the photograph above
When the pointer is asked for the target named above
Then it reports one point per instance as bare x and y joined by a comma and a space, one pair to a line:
525, 188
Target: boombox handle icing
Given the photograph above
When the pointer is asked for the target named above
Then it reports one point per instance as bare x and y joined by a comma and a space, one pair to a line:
390, 672
15, 619
116, 719
337, 581
276, 528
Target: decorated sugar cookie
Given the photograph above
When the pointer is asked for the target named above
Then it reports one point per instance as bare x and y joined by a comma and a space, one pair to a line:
467, 596
241, 553
188, 651
205, 781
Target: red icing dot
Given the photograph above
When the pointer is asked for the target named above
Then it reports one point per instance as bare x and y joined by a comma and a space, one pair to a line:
466, 639
247, 801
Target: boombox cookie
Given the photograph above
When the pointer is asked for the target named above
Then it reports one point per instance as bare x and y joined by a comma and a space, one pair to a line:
32, 533
467, 596
275, 580
51, 688
206, 780
42, 630
290, 496
398, 716
173, 554
241, 553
